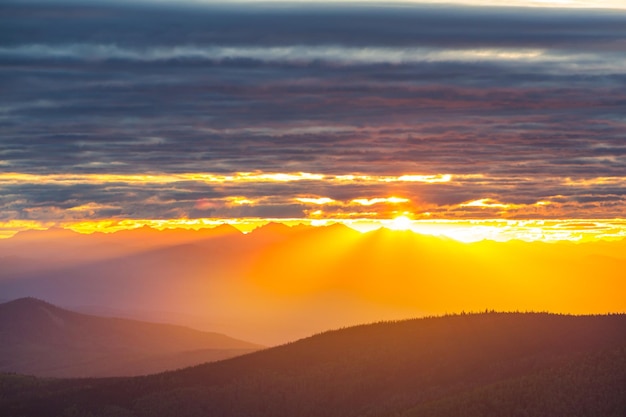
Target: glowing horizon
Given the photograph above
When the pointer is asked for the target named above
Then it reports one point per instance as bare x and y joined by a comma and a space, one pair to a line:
462, 230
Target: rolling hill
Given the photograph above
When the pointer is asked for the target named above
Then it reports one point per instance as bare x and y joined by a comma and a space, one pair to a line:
489, 364
41, 339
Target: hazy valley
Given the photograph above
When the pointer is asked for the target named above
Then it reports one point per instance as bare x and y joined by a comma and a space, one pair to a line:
279, 284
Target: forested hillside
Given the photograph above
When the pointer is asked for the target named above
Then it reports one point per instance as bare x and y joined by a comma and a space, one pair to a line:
505, 364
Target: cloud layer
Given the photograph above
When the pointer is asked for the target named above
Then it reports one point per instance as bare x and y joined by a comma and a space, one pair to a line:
138, 111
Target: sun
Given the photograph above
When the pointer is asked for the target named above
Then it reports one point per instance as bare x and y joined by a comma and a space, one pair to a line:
401, 223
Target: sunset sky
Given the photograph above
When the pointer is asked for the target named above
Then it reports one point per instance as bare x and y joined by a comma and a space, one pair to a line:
463, 119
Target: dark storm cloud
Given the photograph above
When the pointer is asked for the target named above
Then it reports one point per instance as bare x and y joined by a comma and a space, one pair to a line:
528, 99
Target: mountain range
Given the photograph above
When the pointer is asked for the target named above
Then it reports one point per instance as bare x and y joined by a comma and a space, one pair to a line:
280, 283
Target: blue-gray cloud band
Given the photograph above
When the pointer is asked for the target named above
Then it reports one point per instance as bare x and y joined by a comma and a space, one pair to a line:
509, 93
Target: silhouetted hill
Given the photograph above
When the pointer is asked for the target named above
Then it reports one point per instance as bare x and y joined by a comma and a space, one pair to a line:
41, 339
491, 364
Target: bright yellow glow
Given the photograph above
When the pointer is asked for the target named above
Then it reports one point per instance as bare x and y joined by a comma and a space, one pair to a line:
573, 230
438, 178
241, 201
372, 201
11, 227
318, 201
488, 203
422, 178
20, 178
592, 182
357, 201
401, 223
485, 203
90, 208
14, 178
379, 273
281, 177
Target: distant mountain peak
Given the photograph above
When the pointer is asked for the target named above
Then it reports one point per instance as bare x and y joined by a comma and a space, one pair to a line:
28, 301
340, 227
224, 229
30, 304
32, 312
51, 233
273, 228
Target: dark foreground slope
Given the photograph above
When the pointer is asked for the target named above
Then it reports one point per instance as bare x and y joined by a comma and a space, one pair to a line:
41, 339
473, 365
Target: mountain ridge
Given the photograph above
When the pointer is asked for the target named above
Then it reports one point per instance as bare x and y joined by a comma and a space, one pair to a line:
43, 339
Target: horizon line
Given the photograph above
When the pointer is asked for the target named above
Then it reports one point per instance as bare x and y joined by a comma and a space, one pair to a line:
462, 230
